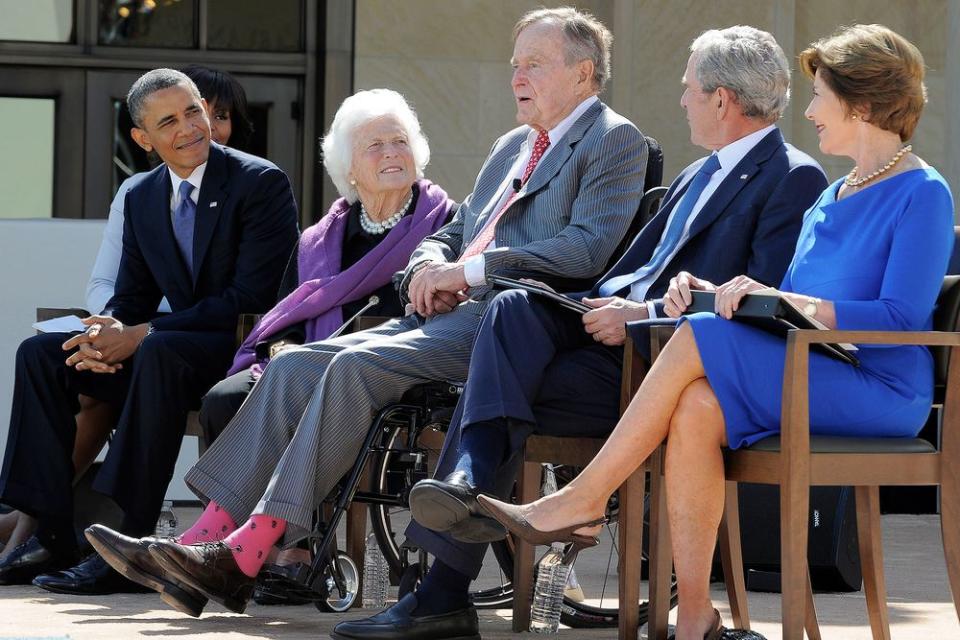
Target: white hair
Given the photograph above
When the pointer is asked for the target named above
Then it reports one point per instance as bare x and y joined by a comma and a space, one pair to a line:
357, 110
748, 62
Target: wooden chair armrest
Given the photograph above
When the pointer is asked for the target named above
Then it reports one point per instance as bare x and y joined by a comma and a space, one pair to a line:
245, 324
928, 338
795, 411
368, 322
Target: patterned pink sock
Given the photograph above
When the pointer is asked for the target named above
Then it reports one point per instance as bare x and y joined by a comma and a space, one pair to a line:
214, 524
252, 542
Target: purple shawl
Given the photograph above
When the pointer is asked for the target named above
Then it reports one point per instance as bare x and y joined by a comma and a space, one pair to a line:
324, 288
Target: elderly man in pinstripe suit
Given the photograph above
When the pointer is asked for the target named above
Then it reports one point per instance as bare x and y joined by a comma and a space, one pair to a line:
552, 201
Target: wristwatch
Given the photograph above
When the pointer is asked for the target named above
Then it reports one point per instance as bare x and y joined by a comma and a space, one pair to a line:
812, 306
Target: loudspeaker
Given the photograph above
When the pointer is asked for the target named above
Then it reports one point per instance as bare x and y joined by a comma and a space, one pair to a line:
832, 546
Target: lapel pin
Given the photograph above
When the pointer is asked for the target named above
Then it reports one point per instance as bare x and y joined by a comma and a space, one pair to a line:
214, 203
743, 176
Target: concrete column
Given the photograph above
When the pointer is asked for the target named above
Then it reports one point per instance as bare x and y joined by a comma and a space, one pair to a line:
785, 31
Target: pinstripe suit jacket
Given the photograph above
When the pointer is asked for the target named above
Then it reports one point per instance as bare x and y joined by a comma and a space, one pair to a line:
569, 217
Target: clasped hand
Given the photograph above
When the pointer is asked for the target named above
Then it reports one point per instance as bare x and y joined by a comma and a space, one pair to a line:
105, 344
436, 288
607, 323
726, 301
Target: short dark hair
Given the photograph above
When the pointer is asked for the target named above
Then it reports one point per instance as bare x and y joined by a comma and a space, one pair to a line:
223, 89
151, 82
871, 67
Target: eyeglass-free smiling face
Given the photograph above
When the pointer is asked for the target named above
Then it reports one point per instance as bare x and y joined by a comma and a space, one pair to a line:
176, 126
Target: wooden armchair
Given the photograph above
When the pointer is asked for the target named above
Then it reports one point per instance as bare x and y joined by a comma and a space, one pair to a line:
795, 461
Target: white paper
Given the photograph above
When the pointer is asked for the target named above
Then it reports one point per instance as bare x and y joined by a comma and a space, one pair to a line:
63, 324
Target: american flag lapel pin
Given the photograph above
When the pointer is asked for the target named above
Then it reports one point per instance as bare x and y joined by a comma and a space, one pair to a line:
214, 203
743, 176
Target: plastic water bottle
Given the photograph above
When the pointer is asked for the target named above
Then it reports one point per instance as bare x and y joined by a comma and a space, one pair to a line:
167, 522
552, 575
376, 575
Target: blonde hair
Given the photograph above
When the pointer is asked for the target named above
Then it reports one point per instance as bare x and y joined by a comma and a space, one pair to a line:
872, 68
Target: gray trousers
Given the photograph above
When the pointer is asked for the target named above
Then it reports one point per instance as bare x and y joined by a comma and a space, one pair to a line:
301, 428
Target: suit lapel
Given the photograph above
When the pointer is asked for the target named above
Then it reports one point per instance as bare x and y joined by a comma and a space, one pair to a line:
738, 177
159, 228
556, 158
209, 204
490, 198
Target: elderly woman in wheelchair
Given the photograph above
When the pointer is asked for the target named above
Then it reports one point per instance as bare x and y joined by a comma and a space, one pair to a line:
872, 255
375, 153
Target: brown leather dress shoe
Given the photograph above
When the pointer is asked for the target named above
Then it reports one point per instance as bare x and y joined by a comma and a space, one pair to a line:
131, 558
209, 568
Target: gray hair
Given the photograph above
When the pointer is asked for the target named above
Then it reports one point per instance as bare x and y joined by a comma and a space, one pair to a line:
151, 82
357, 110
587, 38
748, 62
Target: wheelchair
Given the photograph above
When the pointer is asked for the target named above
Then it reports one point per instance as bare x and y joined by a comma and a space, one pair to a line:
401, 448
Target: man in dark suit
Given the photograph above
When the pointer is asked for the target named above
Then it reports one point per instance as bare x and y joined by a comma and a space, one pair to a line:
539, 368
210, 229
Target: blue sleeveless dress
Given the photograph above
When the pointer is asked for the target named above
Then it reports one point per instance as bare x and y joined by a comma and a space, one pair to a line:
880, 256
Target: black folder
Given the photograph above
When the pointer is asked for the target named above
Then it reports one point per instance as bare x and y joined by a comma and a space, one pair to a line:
501, 282
774, 313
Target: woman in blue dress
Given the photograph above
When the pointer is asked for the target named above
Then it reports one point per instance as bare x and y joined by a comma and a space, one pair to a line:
872, 255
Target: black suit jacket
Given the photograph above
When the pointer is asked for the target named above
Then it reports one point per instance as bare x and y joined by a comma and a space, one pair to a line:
748, 226
246, 226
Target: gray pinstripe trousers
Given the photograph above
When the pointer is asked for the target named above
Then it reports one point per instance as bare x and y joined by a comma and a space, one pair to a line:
301, 428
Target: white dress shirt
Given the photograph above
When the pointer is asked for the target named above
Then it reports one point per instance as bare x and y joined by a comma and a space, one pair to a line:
729, 157
474, 269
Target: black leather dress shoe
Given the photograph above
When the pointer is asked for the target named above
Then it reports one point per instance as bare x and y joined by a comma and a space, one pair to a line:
209, 568
131, 558
451, 505
92, 577
30, 559
397, 623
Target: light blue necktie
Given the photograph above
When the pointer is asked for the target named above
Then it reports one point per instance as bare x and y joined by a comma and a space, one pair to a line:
184, 217
674, 231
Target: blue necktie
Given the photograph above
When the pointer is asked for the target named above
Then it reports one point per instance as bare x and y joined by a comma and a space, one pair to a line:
184, 217
671, 237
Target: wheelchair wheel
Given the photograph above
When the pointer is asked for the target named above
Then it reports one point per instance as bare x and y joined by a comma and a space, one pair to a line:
398, 466
340, 598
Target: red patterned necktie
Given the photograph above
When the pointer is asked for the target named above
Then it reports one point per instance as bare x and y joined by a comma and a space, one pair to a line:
480, 242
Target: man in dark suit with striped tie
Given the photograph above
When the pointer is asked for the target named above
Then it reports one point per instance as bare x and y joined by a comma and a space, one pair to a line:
539, 368
210, 229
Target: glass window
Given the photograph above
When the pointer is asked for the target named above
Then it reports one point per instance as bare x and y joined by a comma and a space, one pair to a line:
37, 20
128, 157
26, 177
148, 23
254, 25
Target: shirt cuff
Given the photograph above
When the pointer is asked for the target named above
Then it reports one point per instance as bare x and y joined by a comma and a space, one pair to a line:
651, 309
474, 271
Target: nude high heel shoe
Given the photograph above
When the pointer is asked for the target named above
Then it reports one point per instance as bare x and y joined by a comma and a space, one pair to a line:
510, 517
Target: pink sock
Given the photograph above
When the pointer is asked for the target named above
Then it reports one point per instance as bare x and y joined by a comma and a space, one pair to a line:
252, 542
212, 525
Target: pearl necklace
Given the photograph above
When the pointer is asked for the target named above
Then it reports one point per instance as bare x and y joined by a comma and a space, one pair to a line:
852, 181
377, 228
